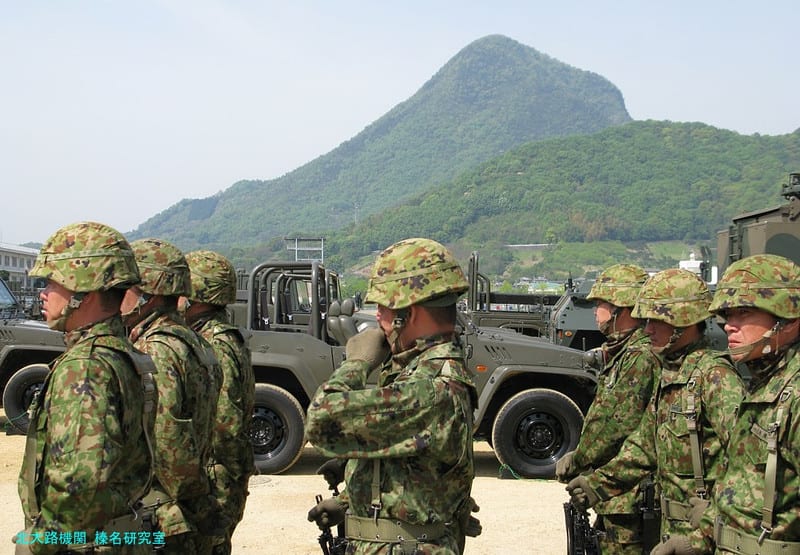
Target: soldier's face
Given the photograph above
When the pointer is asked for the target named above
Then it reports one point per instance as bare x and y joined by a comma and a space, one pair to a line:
54, 298
385, 316
746, 326
659, 332
602, 312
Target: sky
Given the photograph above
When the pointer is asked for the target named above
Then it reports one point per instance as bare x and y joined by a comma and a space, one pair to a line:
114, 111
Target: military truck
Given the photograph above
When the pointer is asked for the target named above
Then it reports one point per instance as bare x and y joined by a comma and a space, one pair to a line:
532, 394
26, 346
773, 230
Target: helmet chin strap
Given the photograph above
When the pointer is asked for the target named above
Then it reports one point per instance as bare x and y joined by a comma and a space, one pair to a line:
746, 350
610, 326
398, 323
60, 323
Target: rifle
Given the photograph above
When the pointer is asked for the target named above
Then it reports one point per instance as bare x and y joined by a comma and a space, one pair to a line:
651, 514
582, 538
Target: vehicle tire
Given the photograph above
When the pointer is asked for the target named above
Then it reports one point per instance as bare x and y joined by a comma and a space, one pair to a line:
533, 429
277, 431
19, 392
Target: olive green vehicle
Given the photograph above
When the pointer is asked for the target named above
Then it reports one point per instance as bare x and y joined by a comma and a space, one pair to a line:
771, 231
26, 346
532, 393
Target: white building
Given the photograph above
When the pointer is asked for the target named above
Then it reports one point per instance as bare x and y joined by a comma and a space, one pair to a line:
17, 261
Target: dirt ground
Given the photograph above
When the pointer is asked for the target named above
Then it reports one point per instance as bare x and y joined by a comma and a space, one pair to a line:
518, 516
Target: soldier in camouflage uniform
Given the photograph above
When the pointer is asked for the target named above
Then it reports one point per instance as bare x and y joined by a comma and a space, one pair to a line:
213, 286
625, 385
756, 502
409, 440
87, 460
686, 427
188, 381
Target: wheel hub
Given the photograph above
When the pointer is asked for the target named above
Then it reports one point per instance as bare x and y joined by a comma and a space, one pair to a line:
539, 435
266, 431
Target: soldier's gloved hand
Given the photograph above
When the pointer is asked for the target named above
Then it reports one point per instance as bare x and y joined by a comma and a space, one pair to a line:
370, 346
333, 471
696, 512
675, 545
472, 527
328, 512
565, 470
581, 493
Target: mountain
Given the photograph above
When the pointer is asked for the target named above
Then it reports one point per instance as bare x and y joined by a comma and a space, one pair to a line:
493, 95
642, 181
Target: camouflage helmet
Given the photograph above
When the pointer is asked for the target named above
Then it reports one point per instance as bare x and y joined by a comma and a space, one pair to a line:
416, 271
87, 256
675, 296
618, 284
212, 278
162, 266
764, 281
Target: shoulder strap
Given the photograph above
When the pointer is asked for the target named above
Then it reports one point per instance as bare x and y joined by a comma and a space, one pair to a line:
145, 367
692, 414
770, 474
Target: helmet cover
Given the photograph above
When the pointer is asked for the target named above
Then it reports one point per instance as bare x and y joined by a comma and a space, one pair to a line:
675, 296
212, 278
162, 267
618, 284
415, 271
87, 256
766, 282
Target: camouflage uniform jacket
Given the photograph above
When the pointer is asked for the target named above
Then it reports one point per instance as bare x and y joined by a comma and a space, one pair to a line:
739, 494
231, 444
188, 381
624, 387
418, 421
661, 443
92, 459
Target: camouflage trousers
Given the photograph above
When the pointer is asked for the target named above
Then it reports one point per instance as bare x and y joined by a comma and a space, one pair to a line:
621, 534
230, 495
184, 544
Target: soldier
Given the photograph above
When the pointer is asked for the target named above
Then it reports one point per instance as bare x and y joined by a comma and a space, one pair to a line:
213, 286
684, 431
755, 502
87, 460
188, 381
629, 375
409, 440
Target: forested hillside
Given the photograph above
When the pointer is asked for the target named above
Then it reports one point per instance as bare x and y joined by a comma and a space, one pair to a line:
493, 95
644, 181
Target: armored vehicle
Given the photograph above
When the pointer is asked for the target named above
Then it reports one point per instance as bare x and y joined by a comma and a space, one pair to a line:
772, 231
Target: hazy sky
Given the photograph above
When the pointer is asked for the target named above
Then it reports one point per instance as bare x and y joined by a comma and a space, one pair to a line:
114, 110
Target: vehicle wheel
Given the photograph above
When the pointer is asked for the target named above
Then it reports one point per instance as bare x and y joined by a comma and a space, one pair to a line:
19, 392
535, 428
277, 431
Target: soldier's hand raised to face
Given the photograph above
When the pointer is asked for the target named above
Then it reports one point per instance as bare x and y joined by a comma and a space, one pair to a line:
370, 346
